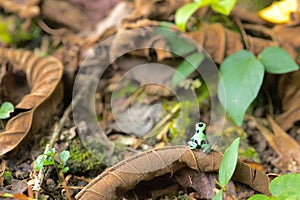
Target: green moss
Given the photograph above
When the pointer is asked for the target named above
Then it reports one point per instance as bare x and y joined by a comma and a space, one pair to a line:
81, 160
12, 32
7, 175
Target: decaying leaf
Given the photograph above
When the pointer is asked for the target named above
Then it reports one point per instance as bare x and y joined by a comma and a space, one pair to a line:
155, 9
139, 39
289, 91
43, 75
288, 33
117, 180
55, 11
25, 9
284, 145
220, 42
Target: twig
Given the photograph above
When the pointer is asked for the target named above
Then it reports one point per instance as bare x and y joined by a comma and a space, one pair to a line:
243, 32
158, 125
51, 31
261, 29
57, 128
39, 178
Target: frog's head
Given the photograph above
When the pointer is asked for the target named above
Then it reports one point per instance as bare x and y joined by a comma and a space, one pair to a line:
200, 127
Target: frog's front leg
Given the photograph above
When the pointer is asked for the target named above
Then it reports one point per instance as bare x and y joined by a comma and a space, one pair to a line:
192, 145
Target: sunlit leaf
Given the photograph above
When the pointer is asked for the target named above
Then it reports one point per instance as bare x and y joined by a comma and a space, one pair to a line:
276, 60
184, 13
5, 110
223, 6
228, 162
242, 75
279, 12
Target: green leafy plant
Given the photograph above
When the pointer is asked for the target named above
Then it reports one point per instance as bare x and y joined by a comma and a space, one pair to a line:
5, 110
186, 68
227, 167
12, 32
283, 187
185, 12
192, 60
47, 159
242, 75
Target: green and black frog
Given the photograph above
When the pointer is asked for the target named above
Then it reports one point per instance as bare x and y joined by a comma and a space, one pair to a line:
199, 139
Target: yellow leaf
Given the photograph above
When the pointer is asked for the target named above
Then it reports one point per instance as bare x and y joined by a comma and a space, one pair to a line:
279, 12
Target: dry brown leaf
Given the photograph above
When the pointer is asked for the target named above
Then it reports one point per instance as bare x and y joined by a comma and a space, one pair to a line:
25, 9
95, 9
217, 40
43, 75
220, 42
289, 91
284, 145
74, 18
132, 40
124, 176
288, 33
154, 9
204, 184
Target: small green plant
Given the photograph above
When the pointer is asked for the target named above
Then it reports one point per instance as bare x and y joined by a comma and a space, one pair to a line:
47, 159
185, 12
5, 110
283, 187
227, 167
242, 75
12, 32
188, 50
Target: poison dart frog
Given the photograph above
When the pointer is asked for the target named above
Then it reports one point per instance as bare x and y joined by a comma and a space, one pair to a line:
199, 139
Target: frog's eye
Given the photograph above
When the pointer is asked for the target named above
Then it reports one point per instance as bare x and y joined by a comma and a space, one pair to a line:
200, 125
197, 131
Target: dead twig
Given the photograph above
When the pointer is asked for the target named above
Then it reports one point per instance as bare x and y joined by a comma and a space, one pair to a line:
158, 125
57, 129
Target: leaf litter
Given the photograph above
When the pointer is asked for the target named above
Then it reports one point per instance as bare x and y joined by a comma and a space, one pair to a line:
180, 173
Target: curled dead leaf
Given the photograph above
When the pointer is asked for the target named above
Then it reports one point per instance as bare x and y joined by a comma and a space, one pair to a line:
283, 144
43, 75
289, 91
124, 176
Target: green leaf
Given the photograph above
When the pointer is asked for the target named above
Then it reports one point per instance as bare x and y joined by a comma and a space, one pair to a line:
228, 162
51, 152
187, 67
175, 40
64, 156
66, 169
260, 197
218, 195
183, 14
39, 162
242, 75
223, 6
276, 60
48, 162
5, 110
286, 184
